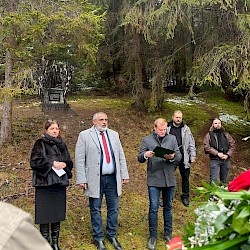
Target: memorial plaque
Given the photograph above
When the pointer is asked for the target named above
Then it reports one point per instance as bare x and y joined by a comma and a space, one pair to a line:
54, 97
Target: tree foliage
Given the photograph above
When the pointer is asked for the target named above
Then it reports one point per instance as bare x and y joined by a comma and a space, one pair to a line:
185, 42
31, 31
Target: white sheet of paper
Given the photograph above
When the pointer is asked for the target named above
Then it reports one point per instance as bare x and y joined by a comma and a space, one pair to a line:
59, 172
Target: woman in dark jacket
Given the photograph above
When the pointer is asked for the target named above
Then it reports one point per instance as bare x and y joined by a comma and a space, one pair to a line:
51, 165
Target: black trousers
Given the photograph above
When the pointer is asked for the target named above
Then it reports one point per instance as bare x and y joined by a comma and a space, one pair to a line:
185, 173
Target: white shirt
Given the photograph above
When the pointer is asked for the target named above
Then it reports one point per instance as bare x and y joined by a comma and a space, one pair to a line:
107, 168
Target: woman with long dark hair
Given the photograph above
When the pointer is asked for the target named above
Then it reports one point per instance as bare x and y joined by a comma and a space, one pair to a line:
51, 164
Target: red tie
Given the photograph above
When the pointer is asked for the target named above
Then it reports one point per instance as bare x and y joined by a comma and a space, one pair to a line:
106, 150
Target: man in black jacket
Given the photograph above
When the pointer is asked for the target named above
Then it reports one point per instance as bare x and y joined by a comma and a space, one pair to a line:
160, 177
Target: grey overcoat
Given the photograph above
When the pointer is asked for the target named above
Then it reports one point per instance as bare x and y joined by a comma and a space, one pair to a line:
88, 161
188, 145
160, 172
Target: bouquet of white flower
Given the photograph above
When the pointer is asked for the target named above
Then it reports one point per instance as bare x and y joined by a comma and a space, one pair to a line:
223, 222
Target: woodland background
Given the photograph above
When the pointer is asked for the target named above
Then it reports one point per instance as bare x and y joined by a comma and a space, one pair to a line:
134, 60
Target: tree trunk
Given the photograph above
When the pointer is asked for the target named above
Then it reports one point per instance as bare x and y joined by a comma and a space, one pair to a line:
6, 124
139, 91
157, 96
157, 91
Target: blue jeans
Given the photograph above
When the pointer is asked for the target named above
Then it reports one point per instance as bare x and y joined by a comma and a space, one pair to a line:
219, 168
107, 188
154, 201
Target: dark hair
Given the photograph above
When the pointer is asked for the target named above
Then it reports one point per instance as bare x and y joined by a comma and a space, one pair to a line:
48, 123
216, 118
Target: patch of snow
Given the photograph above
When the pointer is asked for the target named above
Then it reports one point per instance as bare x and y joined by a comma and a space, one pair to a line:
186, 101
20, 107
233, 119
229, 119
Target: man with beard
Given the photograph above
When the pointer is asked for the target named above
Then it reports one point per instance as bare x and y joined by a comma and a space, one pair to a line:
101, 169
187, 148
220, 146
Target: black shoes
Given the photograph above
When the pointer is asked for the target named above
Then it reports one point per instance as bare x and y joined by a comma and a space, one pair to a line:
185, 201
100, 244
152, 243
115, 243
167, 238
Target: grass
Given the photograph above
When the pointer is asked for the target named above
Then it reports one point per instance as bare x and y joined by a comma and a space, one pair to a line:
132, 126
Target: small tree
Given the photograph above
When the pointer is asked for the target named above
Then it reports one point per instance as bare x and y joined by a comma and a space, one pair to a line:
31, 30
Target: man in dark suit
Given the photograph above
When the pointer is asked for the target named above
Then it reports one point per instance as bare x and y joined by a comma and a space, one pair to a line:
101, 169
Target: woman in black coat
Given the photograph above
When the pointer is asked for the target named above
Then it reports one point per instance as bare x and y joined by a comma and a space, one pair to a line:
51, 165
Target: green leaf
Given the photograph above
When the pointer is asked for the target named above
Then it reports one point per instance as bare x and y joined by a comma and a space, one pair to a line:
223, 245
245, 212
234, 195
220, 220
224, 232
241, 225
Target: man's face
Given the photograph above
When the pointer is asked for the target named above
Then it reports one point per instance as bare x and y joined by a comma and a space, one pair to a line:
177, 119
161, 129
101, 122
216, 124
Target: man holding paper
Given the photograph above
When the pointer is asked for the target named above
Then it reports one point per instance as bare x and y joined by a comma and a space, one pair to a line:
160, 176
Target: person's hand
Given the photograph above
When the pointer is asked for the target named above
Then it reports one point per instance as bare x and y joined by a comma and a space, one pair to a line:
149, 154
124, 181
59, 164
169, 156
193, 160
220, 155
83, 185
225, 157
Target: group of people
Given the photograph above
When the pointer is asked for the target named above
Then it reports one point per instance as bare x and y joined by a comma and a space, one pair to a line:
101, 170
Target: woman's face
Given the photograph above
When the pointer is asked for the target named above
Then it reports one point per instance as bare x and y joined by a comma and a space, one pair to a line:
53, 130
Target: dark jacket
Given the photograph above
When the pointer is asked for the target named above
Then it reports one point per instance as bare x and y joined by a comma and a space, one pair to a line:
213, 152
160, 172
43, 153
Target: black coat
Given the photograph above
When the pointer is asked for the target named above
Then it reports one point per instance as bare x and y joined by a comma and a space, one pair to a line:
43, 153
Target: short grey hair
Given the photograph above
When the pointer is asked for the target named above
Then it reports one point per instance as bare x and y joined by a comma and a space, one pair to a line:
96, 115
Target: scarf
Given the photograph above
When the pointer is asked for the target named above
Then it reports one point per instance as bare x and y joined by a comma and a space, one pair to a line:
54, 141
219, 140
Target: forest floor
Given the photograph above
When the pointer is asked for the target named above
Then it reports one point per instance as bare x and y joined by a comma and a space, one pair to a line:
28, 120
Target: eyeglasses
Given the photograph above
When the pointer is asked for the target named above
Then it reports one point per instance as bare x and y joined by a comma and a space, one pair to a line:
101, 120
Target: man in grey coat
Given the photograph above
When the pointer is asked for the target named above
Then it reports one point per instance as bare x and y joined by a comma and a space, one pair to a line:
160, 177
101, 169
187, 148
